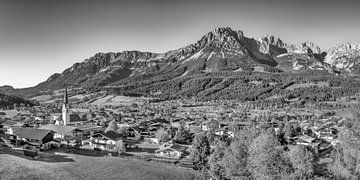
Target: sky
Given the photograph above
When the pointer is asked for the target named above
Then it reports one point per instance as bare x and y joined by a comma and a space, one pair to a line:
42, 37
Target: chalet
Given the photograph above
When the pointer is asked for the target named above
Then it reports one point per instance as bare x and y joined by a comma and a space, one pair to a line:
305, 140
224, 131
55, 117
106, 141
40, 138
10, 127
173, 151
210, 125
89, 129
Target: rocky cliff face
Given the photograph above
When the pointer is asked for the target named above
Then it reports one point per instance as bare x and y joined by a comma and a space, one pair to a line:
344, 57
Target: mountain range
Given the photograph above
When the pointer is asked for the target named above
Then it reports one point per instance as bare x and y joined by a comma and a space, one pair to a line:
221, 50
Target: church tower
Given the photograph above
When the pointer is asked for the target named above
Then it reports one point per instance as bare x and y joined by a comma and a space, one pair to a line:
65, 109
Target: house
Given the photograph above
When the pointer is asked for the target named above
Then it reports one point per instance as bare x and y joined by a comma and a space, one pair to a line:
39, 138
224, 131
173, 151
64, 133
305, 140
10, 127
210, 125
89, 129
106, 141
55, 117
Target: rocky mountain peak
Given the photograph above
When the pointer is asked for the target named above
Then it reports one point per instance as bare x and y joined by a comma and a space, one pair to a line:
268, 43
311, 47
224, 33
346, 47
344, 57
271, 39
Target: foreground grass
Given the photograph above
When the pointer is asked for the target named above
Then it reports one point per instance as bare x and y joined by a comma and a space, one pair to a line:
86, 167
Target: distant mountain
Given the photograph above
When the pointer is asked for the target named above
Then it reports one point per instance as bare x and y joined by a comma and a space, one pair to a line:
221, 50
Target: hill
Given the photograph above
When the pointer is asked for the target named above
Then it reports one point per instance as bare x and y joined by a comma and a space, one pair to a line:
86, 167
9, 101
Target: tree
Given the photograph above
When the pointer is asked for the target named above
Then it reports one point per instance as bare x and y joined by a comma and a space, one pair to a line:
162, 135
123, 131
200, 152
346, 155
113, 126
235, 161
102, 122
302, 162
289, 130
16, 106
216, 168
120, 147
182, 135
266, 159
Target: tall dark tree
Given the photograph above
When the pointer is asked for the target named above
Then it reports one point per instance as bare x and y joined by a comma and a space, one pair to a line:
182, 135
200, 152
216, 169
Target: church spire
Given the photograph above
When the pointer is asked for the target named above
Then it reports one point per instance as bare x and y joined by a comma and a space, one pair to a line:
66, 101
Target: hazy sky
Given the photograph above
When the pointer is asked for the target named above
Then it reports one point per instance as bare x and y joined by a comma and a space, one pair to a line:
42, 37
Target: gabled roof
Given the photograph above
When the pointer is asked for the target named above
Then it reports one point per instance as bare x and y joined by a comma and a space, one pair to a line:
211, 121
174, 147
89, 127
110, 135
31, 133
59, 129
178, 147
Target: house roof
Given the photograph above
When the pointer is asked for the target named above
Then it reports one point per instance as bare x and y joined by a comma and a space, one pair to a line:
211, 121
89, 127
59, 129
110, 135
173, 147
306, 138
178, 147
31, 133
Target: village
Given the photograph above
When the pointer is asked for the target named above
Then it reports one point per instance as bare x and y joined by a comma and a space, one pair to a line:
158, 131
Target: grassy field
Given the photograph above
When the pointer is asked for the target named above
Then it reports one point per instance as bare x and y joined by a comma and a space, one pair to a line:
306, 85
119, 100
42, 98
71, 166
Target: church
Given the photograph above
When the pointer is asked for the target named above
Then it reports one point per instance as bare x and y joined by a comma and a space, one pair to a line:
68, 116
